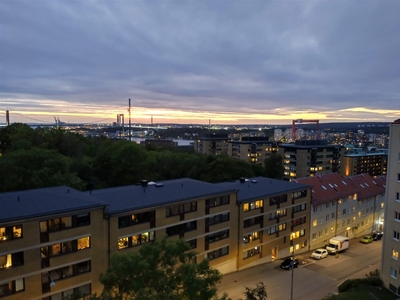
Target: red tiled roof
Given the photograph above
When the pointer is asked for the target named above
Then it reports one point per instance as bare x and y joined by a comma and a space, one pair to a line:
367, 186
328, 187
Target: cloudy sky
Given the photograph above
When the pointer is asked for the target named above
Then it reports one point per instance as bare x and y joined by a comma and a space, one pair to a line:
231, 62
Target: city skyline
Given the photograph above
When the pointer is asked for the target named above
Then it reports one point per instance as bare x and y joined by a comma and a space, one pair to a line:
248, 62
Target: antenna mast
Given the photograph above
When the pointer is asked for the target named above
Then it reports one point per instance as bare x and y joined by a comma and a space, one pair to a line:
129, 110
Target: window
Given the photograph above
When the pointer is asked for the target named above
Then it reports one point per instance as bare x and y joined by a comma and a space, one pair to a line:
12, 287
12, 260
314, 236
327, 204
277, 228
353, 208
217, 219
252, 237
315, 208
253, 205
218, 201
321, 220
299, 207
181, 228
211, 238
193, 243
396, 235
397, 196
278, 213
84, 243
217, 253
298, 221
251, 252
393, 272
135, 219
344, 211
326, 231
180, 209
314, 222
398, 176
327, 218
10, 232
277, 199
300, 194
396, 216
333, 215
253, 221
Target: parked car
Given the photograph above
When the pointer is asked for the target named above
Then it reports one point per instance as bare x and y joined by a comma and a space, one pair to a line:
319, 253
366, 239
288, 263
377, 236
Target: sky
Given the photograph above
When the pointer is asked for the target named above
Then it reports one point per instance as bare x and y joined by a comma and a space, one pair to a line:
200, 62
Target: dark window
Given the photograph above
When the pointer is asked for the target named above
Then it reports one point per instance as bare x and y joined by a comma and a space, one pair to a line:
217, 236
181, 228
299, 221
135, 219
83, 219
193, 243
278, 199
218, 253
253, 221
180, 209
12, 260
218, 201
217, 219
299, 194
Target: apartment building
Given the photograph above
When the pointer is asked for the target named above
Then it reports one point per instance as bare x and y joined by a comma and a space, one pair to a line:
390, 270
213, 144
273, 217
309, 158
52, 243
348, 206
55, 241
252, 149
357, 161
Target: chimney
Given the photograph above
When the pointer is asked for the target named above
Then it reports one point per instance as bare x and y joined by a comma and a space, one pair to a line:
144, 183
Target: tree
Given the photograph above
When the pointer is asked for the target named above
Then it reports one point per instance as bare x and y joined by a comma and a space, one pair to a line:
258, 293
274, 166
163, 270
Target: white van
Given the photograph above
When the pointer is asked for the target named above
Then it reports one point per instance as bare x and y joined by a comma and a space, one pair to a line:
338, 244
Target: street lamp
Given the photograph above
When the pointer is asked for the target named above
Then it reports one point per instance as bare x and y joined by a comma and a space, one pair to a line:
291, 287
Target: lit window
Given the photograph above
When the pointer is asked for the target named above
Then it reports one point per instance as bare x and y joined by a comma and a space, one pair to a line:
314, 222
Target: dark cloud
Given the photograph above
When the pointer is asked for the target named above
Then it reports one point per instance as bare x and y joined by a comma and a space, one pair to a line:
211, 56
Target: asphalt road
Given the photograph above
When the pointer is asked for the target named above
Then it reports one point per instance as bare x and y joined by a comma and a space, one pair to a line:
314, 279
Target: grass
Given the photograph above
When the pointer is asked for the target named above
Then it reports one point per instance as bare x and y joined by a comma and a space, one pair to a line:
365, 293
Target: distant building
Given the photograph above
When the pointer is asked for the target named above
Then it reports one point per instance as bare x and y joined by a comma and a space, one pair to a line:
309, 158
252, 149
390, 268
159, 143
212, 144
357, 161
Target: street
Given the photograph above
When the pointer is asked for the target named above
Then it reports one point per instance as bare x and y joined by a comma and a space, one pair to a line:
313, 279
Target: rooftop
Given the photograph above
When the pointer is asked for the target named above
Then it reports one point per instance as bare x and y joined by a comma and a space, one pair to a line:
261, 187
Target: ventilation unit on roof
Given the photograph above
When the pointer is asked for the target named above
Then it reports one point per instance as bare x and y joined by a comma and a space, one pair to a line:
254, 181
159, 185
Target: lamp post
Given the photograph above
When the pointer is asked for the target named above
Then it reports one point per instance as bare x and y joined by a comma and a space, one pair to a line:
291, 287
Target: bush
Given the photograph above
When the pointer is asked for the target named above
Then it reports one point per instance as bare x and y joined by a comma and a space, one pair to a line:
350, 283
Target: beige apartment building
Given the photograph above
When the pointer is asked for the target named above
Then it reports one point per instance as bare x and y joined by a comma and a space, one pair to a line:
356, 162
309, 158
55, 241
250, 149
390, 270
347, 206
52, 243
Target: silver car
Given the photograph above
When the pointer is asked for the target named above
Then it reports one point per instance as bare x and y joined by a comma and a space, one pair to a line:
319, 253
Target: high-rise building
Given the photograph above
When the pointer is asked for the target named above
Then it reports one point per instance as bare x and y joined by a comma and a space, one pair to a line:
309, 158
390, 270
358, 161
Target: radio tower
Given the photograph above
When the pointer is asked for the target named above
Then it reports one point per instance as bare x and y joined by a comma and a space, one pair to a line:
129, 110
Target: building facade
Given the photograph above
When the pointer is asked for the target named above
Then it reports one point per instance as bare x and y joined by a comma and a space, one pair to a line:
347, 206
56, 241
252, 149
309, 158
356, 162
390, 268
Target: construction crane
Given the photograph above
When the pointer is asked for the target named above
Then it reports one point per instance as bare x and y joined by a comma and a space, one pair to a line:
304, 121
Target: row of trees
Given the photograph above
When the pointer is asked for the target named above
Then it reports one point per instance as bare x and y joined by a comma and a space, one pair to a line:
43, 157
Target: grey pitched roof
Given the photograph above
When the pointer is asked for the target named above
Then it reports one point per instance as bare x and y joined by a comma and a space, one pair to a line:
43, 202
262, 187
132, 197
